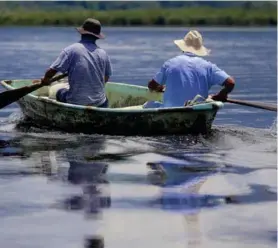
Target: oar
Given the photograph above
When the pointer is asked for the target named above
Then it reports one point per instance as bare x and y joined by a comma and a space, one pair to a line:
253, 104
10, 96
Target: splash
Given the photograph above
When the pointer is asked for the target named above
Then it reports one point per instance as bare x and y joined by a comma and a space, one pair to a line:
273, 128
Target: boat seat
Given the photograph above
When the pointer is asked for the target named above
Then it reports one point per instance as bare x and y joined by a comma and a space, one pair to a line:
50, 91
44, 91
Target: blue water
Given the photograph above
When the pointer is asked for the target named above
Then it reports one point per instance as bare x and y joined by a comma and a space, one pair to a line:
59, 189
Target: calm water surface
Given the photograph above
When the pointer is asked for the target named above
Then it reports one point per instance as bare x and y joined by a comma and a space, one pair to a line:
59, 189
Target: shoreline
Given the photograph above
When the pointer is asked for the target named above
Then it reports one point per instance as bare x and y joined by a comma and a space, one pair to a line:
171, 17
130, 28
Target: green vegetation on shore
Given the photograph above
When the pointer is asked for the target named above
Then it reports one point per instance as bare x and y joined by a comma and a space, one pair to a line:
189, 16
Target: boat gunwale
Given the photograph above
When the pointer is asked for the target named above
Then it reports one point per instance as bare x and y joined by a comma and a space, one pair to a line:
195, 108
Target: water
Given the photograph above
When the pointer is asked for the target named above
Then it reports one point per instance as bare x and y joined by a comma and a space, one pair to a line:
59, 189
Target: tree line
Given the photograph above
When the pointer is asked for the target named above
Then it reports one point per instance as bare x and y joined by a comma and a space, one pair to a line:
190, 16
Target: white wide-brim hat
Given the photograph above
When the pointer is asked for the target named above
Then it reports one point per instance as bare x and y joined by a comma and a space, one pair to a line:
193, 43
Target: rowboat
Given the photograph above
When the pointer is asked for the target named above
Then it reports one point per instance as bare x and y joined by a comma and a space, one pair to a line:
125, 115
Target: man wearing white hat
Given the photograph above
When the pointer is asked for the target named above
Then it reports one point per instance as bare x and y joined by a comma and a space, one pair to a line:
88, 67
187, 75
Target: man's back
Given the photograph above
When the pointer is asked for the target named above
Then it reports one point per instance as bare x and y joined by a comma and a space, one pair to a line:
87, 65
186, 76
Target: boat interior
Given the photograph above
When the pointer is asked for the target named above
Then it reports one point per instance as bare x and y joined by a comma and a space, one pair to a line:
119, 95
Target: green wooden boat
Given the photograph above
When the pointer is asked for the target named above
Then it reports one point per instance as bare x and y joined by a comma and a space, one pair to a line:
125, 115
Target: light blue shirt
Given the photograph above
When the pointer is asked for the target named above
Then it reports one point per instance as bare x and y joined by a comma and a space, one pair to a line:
186, 76
87, 65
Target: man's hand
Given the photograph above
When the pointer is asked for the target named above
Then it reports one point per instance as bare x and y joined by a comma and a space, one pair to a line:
219, 97
228, 87
36, 81
50, 73
154, 86
158, 89
43, 81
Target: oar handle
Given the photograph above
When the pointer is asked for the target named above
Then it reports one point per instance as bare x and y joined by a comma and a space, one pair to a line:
253, 104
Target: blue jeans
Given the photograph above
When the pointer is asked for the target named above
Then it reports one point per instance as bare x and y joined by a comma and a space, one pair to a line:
104, 105
61, 96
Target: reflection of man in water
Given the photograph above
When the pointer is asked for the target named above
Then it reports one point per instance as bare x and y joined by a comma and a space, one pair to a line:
177, 193
180, 193
91, 176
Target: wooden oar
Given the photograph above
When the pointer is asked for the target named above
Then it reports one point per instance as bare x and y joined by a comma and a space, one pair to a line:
10, 96
253, 104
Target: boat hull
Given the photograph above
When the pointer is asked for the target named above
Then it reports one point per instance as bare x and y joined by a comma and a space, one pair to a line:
45, 112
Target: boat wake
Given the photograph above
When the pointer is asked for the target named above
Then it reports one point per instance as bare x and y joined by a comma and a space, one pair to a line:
221, 137
219, 140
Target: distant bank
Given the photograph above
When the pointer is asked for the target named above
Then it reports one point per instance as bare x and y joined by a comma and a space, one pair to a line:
193, 16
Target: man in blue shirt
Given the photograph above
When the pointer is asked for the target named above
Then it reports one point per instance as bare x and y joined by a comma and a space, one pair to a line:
88, 67
187, 75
